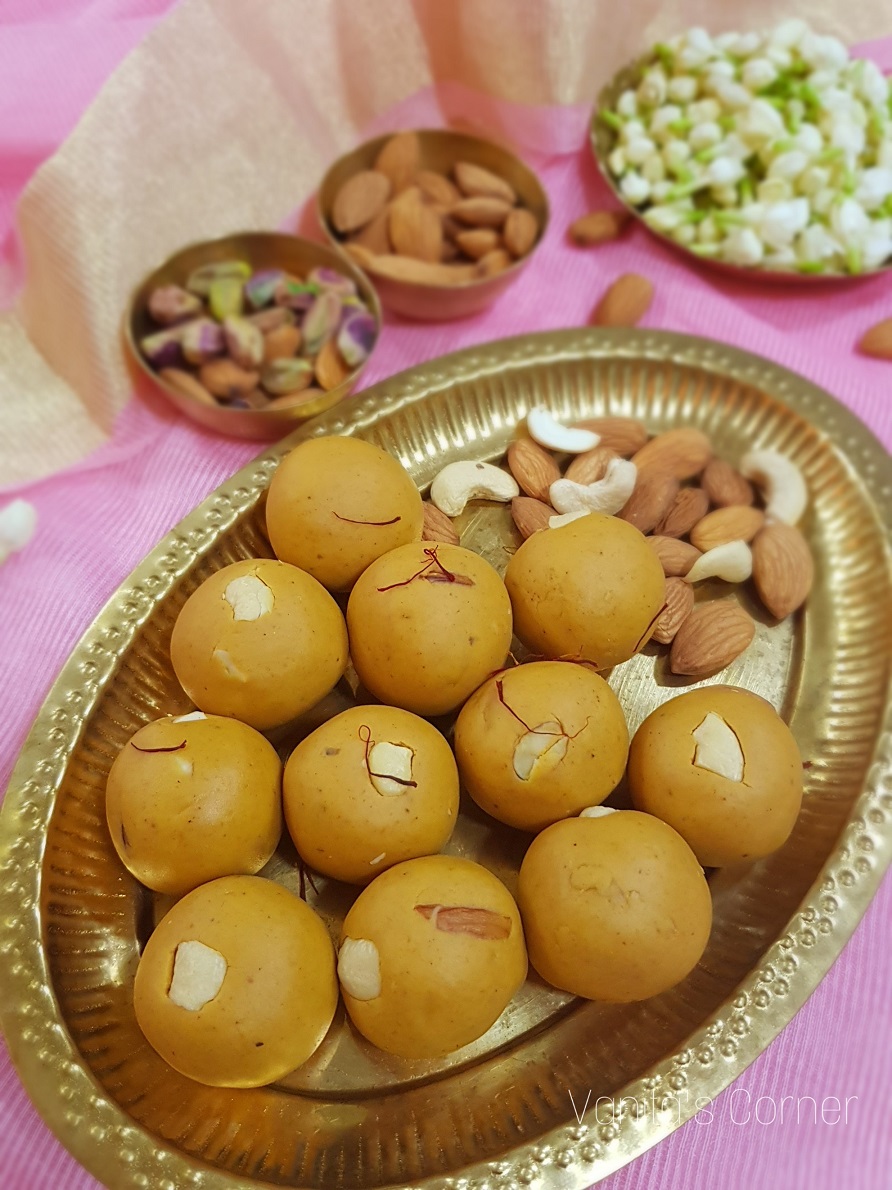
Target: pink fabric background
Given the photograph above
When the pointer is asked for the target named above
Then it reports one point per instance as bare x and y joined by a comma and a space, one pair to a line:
99, 519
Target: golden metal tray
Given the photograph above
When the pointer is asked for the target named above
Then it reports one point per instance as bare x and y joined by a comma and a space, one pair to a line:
503, 1112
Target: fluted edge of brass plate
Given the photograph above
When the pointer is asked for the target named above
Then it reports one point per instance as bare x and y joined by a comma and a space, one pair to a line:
120, 1151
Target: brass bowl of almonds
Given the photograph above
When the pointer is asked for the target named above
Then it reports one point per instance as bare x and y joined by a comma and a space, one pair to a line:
253, 332
443, 222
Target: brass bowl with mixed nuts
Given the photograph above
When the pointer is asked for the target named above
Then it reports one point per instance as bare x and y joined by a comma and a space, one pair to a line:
253, 332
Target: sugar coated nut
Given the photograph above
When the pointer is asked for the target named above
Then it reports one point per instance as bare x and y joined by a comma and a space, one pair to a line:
428, 623
731, 804
615, 907
590, 590
236, 987
336, 504
398, 776
264, 670
450, 956
541, 741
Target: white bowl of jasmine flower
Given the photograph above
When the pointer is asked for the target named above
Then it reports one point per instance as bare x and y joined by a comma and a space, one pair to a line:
769, 152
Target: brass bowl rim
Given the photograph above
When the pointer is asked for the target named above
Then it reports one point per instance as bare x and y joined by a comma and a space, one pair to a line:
754, 273
283, 416
431, 287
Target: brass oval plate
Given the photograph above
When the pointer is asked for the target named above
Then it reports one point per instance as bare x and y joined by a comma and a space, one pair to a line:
501, 1113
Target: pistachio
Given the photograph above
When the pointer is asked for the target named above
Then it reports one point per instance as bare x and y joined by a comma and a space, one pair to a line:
226, 379
321, 321
282, 343
201, 279
170, 303
270, 320
356, 338
202, 340
244, 341
294, 293
333, 280
163, 349
260, 288
283, 376
225, 298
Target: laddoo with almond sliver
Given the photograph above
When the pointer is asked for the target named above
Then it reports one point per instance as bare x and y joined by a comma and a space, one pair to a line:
539, 742
591, 590
615, 907
370, 788
193, 797
337, 504
259, 640
722, 768
237, 987
431, 954
428, 623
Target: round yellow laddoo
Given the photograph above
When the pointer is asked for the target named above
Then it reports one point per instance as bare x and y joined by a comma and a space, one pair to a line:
370, 788
615, 907
193, 797
588, 591
236, 987
260, 641
540, 742
721, 767
431, 954
428, 623
337, 504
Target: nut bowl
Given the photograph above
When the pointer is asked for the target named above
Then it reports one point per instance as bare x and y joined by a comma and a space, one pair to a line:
439, 150
260, 251
603, 139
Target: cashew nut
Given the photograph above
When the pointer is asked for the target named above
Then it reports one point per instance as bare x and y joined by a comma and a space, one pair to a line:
596, 811
18, 521
732, 562
198, 974
607, 495
192, 717
377, 859
390, 767
549, 432
228, 666
460, 482
359, 968
781, 483
249, 597
540, 749
566, 518
718, 748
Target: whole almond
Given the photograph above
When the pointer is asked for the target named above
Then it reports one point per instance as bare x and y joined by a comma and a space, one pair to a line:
419, 272
625, 435
533, 467
493, 262
467, 919
376, 235
625, 302
226, 379
679, 602
598, 227
530, 515
783, 568
359, 200
738, 522
477, 241
481, 212
683, 453
415, 228
361, 255
710, 638
186, 383
520, 231
436, 188
676, 557
650, 501
688, 507
281, 343
438, 526
724, 485
477, 182
878, 340
330, 367
591, 466
399, 160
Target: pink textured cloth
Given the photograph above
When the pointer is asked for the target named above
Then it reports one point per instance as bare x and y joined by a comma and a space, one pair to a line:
98, 519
